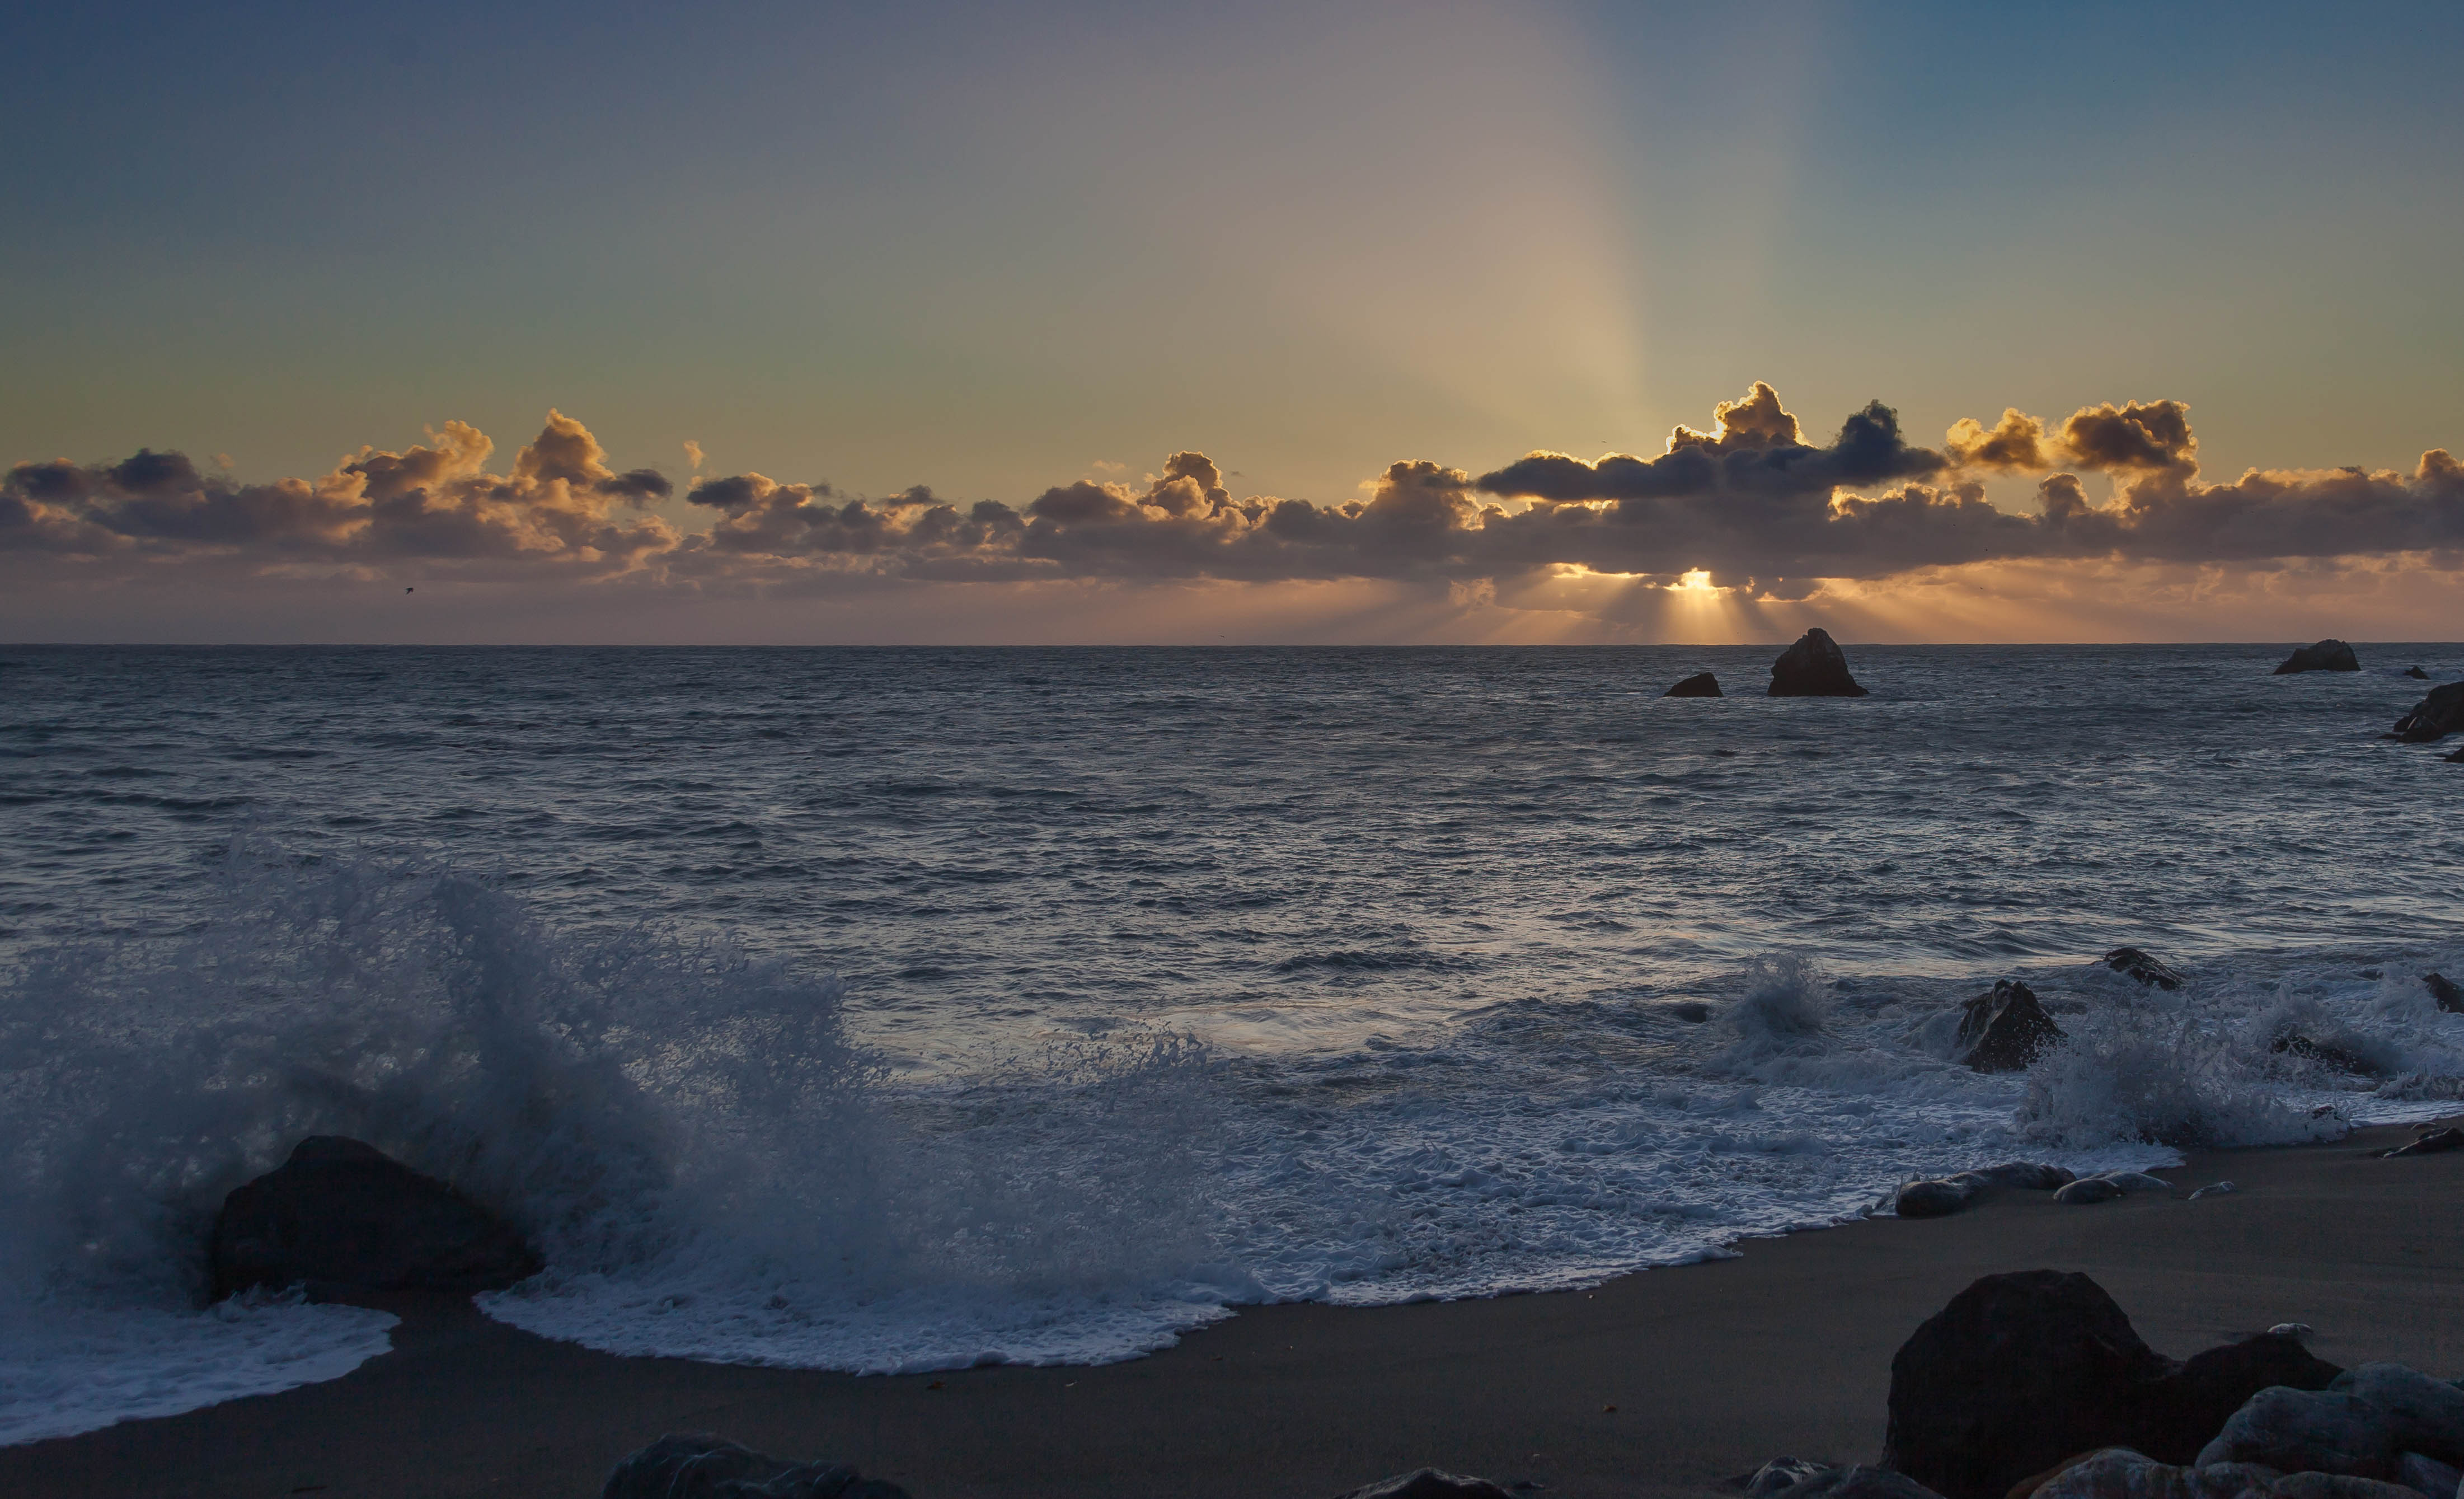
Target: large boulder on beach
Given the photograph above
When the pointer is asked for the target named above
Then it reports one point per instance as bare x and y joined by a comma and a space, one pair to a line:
2427, 1414
1429, 1483
339, 1213
1702, 684
2022, 1371
2434, 718
2006, 1030
2308, 1431
1815, 667
687, 1465
2327, 656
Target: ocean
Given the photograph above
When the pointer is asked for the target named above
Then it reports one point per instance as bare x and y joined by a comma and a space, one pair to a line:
908, 1009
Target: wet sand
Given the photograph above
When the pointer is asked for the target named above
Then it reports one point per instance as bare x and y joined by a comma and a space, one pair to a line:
1710, 1369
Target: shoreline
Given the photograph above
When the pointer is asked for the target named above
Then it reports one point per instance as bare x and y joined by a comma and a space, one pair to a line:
1713, 1368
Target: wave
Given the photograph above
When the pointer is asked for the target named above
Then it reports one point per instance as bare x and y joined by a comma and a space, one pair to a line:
712, 1168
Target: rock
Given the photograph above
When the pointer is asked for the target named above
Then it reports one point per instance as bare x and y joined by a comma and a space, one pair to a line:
2138, 965
2293, 1330
2325, 1053
347, 1214
1944, 1196
1779, 1474
2205, 1392
2136, 1181
1693, 1012
2441, 987
2089, 1189
2327, 656
1932, 1199
1859, 1482
1429, 1483
2308, 1431
2427, 1475
1812, 667
1702, 684
2427, 1414
2213, 1189
2004, 1030
2434, 718
694, 1467
2021, 1371
2333, 1485
2416, 673
2455, 757
2431, 1143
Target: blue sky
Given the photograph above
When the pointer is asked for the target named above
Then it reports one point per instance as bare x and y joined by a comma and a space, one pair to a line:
992, 250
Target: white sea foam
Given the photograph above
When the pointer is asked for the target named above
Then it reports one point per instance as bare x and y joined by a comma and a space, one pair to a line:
712, 1170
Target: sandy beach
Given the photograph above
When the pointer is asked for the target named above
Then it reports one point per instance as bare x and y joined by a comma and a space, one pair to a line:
1660, 1383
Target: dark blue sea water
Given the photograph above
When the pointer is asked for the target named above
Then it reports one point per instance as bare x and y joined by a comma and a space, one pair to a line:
902, 1008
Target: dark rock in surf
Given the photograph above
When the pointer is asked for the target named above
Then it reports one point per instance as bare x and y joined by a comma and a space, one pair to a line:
2442, 989
2430, 1143
344, 1214
2006, 1030
2138, 965
2327, 656
1693, 1012
2434, 718
2417, 674
2454, 758
1812, 667
2022, 1371
693, 1466
1429, 1483
2308, 1431
2326, 1053
1702, 684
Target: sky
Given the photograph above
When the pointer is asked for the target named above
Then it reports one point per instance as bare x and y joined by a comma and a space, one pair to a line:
1230, 323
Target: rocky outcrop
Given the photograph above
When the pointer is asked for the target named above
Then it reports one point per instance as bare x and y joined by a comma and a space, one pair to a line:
2138, 965
1812, 667
2308, 1431
2022, 1371
2327, 656
339, 1213
1702, 684
693, 1466
2006, 1030
1429, 1483
2434, 718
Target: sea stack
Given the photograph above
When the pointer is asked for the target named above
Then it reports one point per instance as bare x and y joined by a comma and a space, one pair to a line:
1812, 667
1702, 684
2434, 718
2327, 656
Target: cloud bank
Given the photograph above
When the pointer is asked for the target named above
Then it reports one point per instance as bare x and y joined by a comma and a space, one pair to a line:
1752, 502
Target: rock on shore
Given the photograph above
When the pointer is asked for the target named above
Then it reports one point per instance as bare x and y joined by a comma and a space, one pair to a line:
1815, 667
2327, 656
342, 1213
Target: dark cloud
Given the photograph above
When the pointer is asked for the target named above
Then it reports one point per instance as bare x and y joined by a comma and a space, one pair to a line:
1748, 501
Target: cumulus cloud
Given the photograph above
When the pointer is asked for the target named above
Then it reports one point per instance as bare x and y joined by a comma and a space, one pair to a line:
1748, 501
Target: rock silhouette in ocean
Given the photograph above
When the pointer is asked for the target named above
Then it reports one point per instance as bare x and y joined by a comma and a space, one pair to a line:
2141, 966
1812, 667
2327, 656
2434, 718
2416, 673
2022, 1371
2445, 991
2007, 1029
693, 1466
1702, 684
340, 1213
